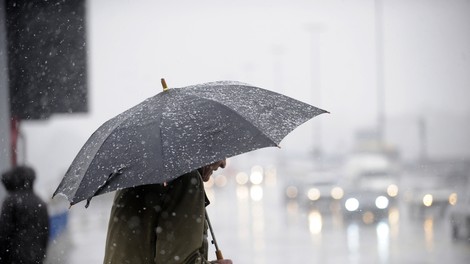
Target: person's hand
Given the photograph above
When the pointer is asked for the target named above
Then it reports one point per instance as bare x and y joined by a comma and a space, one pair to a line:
222, 261
207, 170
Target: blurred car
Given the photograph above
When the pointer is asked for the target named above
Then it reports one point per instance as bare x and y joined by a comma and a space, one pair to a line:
319, 190
370, 195
365, 205
380, 182
372, 184
459, 216
323, 195
430, 201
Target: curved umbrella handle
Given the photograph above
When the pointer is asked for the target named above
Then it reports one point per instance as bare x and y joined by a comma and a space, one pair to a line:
218, 252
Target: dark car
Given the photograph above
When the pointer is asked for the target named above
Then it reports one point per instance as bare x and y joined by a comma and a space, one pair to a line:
365, 205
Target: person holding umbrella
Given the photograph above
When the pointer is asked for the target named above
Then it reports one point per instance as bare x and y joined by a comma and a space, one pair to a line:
157, 155
162, 223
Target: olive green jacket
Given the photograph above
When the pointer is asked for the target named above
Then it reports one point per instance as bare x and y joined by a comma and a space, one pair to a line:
159, 223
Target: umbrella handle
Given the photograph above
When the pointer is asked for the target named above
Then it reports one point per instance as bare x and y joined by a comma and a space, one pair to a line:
218, 252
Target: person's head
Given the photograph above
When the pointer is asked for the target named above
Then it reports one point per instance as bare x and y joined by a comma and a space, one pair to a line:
207, 170
19, 178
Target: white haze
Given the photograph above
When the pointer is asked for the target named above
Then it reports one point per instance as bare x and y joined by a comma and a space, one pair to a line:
132, 44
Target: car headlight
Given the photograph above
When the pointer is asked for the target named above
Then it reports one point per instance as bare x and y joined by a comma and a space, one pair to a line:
313, 194
351, 204
427, 200
453, 199
292, 192
337, 193
256, 176
381, 202
392, 190
241, 178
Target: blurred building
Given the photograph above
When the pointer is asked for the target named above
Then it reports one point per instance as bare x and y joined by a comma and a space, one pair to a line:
43, 66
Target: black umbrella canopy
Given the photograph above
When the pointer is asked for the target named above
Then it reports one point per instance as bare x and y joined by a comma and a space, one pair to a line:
177, 131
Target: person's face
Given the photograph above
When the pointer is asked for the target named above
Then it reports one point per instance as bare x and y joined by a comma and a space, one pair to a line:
207, 170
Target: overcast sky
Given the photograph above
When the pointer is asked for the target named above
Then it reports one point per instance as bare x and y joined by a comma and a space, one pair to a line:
320, 52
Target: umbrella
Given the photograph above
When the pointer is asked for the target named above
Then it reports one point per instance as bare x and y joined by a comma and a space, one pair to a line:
177, 131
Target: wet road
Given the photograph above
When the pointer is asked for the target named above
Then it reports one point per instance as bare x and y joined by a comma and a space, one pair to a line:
270, 230
255, 224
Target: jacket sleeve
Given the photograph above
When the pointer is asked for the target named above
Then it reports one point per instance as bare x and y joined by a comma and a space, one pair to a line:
200, 256
181, 227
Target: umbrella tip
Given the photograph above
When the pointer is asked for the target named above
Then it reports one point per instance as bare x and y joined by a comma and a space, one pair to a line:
165, 87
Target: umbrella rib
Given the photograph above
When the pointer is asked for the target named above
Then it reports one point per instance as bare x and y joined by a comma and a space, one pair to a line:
158, 121
72, 200
124, 118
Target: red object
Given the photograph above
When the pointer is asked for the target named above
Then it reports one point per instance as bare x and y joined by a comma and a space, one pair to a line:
15, 131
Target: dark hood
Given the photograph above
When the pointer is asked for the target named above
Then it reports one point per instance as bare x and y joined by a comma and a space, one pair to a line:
19, 178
